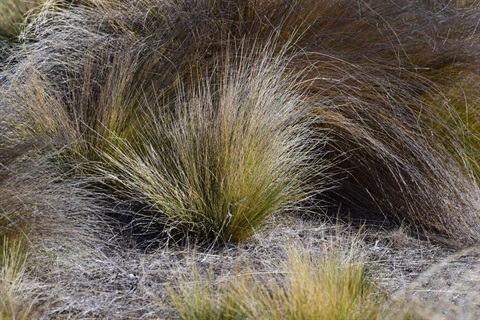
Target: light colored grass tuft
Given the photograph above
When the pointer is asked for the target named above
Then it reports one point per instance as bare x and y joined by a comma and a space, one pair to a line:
327, 288
14, 302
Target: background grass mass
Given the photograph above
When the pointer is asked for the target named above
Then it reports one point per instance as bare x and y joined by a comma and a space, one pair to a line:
203, 122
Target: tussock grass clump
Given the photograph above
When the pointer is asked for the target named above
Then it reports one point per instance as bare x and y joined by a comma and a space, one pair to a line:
37, 200
328, 288
218, 160
371, 84
203, 118
213, 150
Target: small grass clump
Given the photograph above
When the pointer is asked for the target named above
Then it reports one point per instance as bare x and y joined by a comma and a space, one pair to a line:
328, 288
14, 302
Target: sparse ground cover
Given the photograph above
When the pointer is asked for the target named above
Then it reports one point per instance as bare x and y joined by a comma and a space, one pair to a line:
126, 283
239, 159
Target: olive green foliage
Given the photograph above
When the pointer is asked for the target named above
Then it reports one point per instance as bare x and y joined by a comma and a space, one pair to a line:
375, 77
218, 160
213, 156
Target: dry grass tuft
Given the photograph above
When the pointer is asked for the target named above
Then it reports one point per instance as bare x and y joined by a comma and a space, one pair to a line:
15, 302
332, 287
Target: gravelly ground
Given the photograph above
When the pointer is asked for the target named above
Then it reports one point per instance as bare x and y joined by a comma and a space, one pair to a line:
117, 281
449, 289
